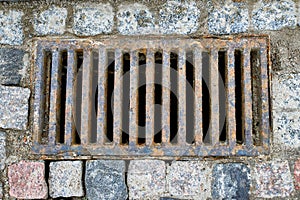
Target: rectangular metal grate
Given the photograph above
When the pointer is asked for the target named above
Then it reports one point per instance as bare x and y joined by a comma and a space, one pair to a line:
152, 96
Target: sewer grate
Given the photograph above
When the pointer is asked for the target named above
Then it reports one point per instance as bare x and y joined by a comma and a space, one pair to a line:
153, 96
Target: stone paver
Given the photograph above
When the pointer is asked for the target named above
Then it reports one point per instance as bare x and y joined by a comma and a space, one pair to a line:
51, 21
297, 174
105, 179
231, 180
146, 179
11, 29
93, 19
27, 180
2, 149
65, 179
273, 179
14, 107
190, 179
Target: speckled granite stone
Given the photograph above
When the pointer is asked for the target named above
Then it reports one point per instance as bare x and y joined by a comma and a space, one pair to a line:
231, 181
93, 19
146, 179
273, 179
297, 174
11, 30
65, 179
2, 149
176, 17
105, 179
229, 18
14, 107
274, 15
190, 179
27, 180
1, 190
11, 66
135, 19
286, 126
286, 91
51, 21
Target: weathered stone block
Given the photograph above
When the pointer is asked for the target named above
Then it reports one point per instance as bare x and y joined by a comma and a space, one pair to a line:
297, 174
14, 107
273, 179
105, 179
11, 66
191, 179
286, 91
51, 21
93, 20
286, 126
274, 15
11, 29
65, 179
1, 191
176, 17
2, 149
231, 181
27, 180
135, 19
146, 179
229, 18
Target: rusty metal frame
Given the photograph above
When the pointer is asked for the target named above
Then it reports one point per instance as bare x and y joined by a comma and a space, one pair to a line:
165, 149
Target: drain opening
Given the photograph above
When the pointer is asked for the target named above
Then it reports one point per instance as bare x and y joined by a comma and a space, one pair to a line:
173, 98
126, 98
158, 97
222, 59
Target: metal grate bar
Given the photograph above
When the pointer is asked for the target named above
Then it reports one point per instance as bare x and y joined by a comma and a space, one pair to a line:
198, 96
150, 68
247, 93
214, 89
133, 112
71, 68
118, 85
86, 105
182, 97
166, 85
102, 95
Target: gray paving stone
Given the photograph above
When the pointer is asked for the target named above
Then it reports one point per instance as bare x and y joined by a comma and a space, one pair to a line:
1, 190
146, 179
65, 179
273, 179
11, 29
176, 17
2, 149
93, 19
231, 181
135, 19
229, 18
274, 15
14, 102
11, 66
105, 179
189, 179
51, 21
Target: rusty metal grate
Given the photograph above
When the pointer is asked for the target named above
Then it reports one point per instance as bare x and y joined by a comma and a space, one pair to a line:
153, 96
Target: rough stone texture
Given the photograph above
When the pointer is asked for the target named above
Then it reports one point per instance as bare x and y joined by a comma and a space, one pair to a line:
273, 179
2, 149
1, 191
190, 179
14, 107
11, 30
274, 15
228, 19
105, 179
146, 179
93, 20
65, 179
176, 17
297, 174
51, 21
286, 91
231, 181
287, 128
27, 180
135, 19
11, 66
